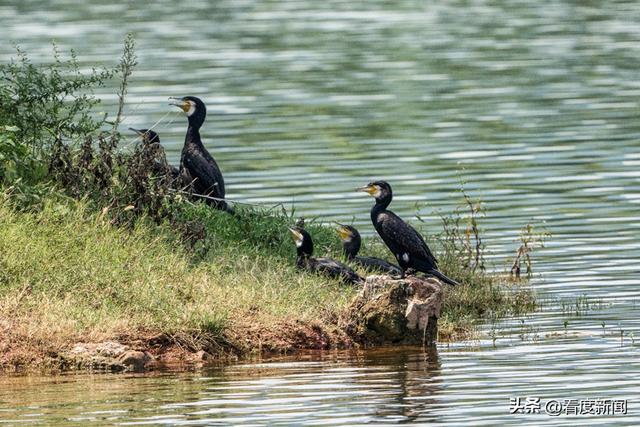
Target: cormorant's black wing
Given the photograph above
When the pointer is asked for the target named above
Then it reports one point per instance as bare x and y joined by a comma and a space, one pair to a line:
174, 172
204, 169
402, 238
334, 268
377, 264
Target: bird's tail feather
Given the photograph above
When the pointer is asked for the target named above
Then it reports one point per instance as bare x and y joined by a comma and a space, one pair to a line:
229, 209
442, 277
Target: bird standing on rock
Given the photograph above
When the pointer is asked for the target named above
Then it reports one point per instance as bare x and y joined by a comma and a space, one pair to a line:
327, 266
351, 243
406, 244
196, 163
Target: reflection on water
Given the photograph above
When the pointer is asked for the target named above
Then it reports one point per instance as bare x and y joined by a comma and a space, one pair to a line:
335, 388
534, 105
388, 386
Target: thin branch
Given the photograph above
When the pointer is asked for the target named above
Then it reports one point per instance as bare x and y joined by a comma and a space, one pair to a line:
127, 62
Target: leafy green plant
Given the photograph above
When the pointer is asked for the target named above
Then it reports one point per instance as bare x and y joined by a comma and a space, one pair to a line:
11, 154
51, 134
51, 101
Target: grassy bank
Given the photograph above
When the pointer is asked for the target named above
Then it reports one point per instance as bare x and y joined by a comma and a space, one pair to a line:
69, 275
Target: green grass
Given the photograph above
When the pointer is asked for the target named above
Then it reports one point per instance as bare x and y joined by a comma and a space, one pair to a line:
69, 275
482, 296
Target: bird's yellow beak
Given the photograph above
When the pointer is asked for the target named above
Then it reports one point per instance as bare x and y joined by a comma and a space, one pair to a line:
370, 189
295, 234
343, 232
178, 102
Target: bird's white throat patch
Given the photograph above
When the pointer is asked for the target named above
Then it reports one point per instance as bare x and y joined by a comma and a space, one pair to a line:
192, 108
377, 193
299, 241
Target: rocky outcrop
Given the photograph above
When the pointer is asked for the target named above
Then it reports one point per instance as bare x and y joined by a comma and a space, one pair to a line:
134, 360
109, 355
390, 311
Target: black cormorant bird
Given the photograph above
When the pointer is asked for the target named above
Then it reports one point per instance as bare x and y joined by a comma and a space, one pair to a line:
195, 161
406, 244
351, 243
151, 141
327, 266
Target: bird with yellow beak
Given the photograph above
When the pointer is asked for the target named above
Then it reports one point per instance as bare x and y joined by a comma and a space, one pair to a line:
404, 242
351, 243
325, 266
196, 162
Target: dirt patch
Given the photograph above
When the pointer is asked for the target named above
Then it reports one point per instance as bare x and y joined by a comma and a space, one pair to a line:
287, 335
149, 350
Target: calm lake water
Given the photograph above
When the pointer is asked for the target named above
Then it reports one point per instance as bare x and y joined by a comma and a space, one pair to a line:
533, 104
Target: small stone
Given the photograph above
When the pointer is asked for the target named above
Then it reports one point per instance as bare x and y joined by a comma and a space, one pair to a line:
135, 360
80, 348
111, 349
202, 355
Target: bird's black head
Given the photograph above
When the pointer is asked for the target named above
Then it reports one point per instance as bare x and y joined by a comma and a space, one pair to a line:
380, 190
148, 136
351, 240
303, 241
193, 107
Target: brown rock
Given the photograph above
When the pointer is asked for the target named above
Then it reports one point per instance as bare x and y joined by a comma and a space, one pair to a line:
202, 355
111, 349
402, 311
135, 360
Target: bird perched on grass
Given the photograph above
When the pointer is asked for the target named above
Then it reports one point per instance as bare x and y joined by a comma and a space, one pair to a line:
406, 244
151, 142
195, 161
327, 266
351, 243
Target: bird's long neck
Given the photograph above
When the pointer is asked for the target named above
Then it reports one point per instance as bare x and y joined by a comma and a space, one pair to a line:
303, 256
193, 135
380, 206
